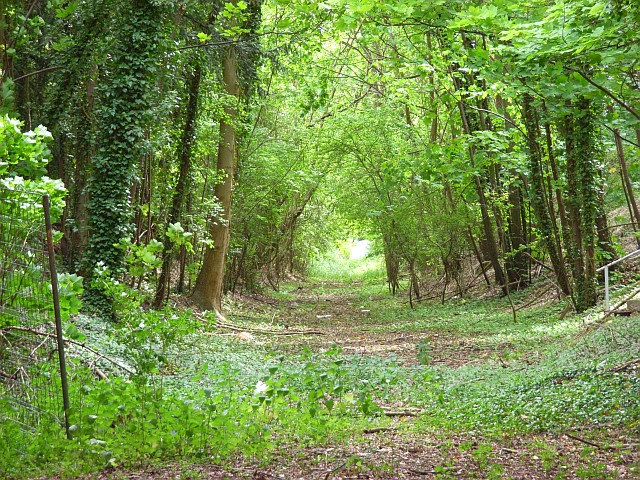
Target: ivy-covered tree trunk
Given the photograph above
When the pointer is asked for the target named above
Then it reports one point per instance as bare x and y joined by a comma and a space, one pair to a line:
516, 262
538, 193
564, 231
589, 190
208, 290
121, 121
582, 201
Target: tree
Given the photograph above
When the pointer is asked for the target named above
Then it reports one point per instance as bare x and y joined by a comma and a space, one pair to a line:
207, 293
122, 124
208, 290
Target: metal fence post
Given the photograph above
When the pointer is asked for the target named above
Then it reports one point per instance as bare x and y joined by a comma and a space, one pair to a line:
46, 203
606, 288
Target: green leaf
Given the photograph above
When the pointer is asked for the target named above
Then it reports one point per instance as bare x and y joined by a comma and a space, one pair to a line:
203, 37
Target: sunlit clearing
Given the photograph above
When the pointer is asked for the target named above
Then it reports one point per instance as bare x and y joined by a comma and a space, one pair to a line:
350, 260
359, 249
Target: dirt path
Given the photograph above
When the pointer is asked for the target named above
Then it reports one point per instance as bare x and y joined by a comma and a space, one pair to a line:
390, 456
356, 326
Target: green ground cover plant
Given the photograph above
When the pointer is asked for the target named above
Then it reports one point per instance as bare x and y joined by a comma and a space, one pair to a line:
181, 389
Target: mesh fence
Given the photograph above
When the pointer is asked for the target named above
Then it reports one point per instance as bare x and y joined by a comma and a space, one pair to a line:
30, 381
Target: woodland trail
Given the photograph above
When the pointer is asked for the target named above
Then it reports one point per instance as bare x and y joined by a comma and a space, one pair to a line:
368, 326
371, 325
374, 326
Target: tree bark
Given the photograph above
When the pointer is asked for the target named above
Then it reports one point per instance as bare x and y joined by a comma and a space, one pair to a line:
471, 123
180, 192
626, 184
538, 197
491, 242
208, 290
517, 262
582, 201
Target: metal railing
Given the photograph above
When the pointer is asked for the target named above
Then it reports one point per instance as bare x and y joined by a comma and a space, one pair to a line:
606, 276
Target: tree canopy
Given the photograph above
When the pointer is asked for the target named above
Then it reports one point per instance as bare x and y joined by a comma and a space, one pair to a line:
441, 130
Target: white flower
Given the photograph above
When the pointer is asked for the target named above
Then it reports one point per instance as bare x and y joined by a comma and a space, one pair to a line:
261, 388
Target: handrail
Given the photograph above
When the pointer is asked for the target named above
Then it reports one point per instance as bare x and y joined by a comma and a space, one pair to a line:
606, 276
632, 254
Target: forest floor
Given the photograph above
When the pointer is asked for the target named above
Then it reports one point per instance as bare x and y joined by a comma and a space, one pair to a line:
474, 353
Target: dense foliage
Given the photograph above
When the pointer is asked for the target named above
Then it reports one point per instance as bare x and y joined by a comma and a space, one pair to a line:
441, 131
232, 147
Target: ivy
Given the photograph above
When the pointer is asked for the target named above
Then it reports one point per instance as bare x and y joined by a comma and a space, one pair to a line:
122, 120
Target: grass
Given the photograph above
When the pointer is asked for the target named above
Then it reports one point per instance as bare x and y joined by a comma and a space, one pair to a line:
339, 266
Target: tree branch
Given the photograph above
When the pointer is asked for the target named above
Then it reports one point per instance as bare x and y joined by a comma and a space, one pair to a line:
37, 72
68, 340
603, 89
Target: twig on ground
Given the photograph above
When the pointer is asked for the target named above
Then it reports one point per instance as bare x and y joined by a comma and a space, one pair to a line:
624, 366
391, 413
588, 442
379, 429
536, 299
222, 322
269, 332
509, 450
263, 300
334, 470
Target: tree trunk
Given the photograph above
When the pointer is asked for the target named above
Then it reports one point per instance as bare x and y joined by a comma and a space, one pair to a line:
626, 184
122, 119
208, 290
471, 122
180, 192
538, 196
582, 201
517, 262
491, 242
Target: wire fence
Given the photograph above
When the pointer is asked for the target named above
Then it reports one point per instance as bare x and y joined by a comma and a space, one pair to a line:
32, 373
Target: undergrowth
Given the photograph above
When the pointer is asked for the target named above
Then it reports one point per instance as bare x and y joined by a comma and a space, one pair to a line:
179, 389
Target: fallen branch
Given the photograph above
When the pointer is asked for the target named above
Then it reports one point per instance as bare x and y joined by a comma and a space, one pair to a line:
378, 429
510, 450
67, 340
579, 439
566, 310
391, 413
536, 299
613, 310
624, 366
335, 470
598, 324
270, 332
222, 322
101, 374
